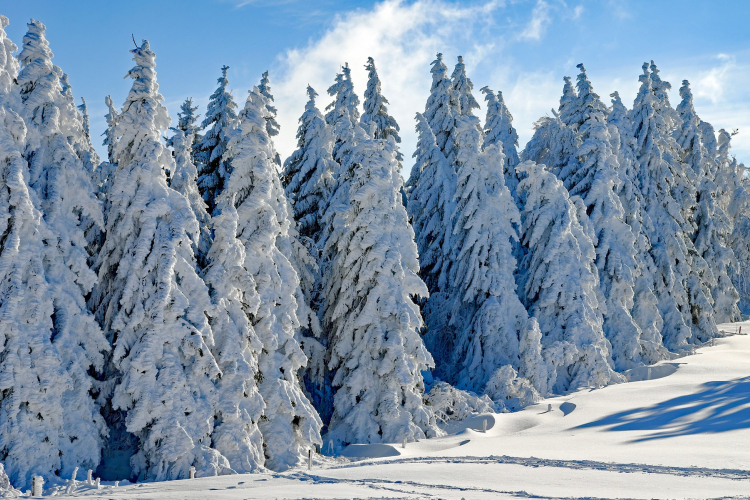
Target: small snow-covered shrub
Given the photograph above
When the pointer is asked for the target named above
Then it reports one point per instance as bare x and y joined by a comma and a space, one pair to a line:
505, 385
449, 403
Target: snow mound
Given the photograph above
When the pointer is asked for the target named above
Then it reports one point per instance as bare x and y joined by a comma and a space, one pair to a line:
363, 451
641, 373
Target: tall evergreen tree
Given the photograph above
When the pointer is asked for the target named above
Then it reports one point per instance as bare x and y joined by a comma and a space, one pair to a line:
152, 303
308, 173
498, 129
487, 314
184, 180
645, 309
237, 348
560, 282
213, 165
598, 181
65, 195
377, 354
33, 430
666, 189
440, 110
713, 224
462, 86
431, 204
186, 122
375, 109
272, 126
290, 425
342, 115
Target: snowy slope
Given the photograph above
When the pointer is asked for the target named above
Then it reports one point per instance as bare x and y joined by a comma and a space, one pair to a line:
685, 433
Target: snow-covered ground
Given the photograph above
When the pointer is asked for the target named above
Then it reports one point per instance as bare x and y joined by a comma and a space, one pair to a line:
682, 433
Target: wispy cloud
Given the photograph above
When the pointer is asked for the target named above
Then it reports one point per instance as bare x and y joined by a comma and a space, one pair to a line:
540, 20
403, 38
577, 11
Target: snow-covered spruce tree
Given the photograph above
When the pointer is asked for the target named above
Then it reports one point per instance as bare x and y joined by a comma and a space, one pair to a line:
661, 177
66, 197
431, 203
290, 425
734, 190
553, 144
430, 199
272, 126
110, 139
440, 111
498, 129
308, 173
186, 122
487, 315
430, 206
645, 304
152, 303
560, 283
375, 109
184, 180
713, 225
213, 165
342, 114
462, 87
598, 181
104, 172
239, 406
32, 377
376, 352
568, 108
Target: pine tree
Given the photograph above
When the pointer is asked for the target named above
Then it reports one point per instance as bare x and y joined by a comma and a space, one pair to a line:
272, 126
462, 86
560, 282
239, 405
342, 115
598, 181
213, 165
186, 122
375, 108
184, 180
734, 198
440, 110
553, 144
65, 195
713, 224
369, 309
645, 309
32, 376
430, 206
290, 425
568, 107
661, 177
152, 303
487, 315
110, 139
498, 129
308, 173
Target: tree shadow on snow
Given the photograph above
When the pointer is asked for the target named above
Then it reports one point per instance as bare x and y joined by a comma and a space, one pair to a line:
718, 407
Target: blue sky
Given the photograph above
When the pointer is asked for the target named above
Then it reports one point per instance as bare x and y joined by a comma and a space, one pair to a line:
522, 47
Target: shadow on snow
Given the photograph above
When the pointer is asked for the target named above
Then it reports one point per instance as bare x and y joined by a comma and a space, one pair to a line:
718, 407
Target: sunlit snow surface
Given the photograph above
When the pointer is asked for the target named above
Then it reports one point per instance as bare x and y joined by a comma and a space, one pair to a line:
682, 433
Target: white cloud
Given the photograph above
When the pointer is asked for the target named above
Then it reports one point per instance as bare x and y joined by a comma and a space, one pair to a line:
402, 38
711, 83
577, 11
540, 19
